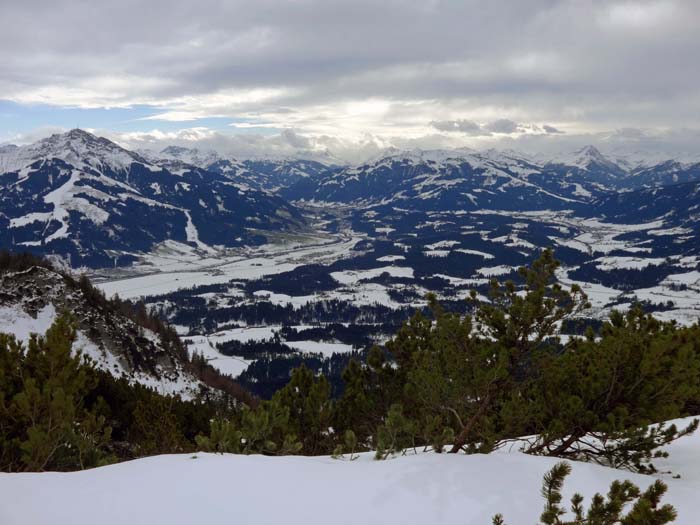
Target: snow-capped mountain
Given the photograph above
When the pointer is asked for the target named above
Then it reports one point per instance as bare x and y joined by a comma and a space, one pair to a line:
262, 174
444, 179
588, 158
86, 198
193, 156
77, 148
467, 179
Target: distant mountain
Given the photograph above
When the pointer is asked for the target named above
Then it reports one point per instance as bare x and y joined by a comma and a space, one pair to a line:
98, 204
677, 204
662, 174
278, 174
263, 174
467, 179
193, 156
452, 180
579, 175
586, 166
78, 148
7, 149
588, 159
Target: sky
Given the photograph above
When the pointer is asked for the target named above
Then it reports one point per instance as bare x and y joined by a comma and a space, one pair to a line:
352, 78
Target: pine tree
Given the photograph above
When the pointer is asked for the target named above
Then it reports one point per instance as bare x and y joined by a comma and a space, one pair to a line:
224, 437
155, 428
370, 390
264, 429
43, 421
307, 399
646, 506
516, 327
599, 399
396, 434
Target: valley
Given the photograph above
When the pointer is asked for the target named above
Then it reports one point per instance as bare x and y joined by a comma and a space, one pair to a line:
262, 265
272, 304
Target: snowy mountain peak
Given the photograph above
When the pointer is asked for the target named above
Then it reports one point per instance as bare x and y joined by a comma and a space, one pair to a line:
193, 156
79, 134
77, 147
8, 148
418, 156
590, 151
588, 158
84, 197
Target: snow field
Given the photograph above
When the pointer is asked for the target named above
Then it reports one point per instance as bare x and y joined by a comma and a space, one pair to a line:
415, 489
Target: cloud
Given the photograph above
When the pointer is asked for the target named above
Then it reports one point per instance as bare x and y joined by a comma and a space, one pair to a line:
295, 140
551, 129
286, 143
635, 143
503, 125
462, 126
388, 69
639, 15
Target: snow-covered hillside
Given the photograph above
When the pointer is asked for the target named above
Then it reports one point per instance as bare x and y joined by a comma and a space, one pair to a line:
77, 148
422, 489
31, 301
96, 204
491, 179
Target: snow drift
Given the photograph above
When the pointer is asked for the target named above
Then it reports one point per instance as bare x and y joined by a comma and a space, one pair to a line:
414, 489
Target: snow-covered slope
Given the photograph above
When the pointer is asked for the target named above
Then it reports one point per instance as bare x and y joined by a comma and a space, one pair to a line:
32, 299
468, 179
663, 174
422, 489
87, 199
77, 147
262, 174
454, 179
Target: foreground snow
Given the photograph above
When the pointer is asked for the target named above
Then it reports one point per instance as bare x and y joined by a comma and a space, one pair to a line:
415, 489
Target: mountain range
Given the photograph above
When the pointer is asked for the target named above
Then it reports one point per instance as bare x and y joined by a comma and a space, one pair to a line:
465, 179
97, 204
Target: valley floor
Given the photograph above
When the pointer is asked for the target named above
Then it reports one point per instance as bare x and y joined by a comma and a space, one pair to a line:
373, 269
417, 489
174, 266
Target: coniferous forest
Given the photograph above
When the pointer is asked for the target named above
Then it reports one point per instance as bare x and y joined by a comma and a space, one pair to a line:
446, 382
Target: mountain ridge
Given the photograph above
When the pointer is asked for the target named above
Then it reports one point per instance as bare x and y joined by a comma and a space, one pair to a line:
86, 197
